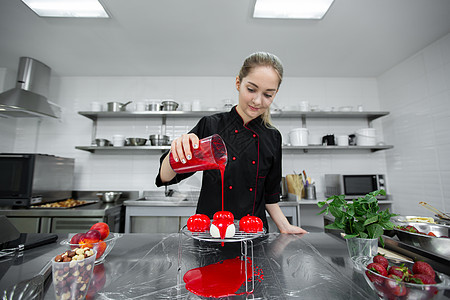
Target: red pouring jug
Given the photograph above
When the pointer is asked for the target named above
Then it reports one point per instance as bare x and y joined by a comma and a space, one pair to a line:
211, 154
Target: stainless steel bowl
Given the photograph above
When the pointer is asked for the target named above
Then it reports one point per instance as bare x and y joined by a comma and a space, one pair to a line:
109, 197
102, 142
159, 140
439, 245
169, 105
135, 141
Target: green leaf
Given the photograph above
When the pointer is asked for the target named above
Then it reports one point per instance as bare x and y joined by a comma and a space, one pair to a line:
388, 225
333, 226
375, 230
363, 235
371, 220
351, 210
324, 211
349, 236
336, 212
321, 203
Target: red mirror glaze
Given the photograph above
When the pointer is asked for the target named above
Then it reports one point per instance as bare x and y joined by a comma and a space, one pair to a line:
223, 215
198, 223
251, 224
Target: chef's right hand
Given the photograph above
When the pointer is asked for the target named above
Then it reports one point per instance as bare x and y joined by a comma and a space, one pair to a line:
181, 147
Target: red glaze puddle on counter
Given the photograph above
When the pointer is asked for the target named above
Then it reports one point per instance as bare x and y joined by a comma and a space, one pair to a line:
221, 279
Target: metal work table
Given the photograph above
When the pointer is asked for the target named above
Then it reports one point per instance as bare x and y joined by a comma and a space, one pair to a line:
44, 220
97, 209
145, 266
156, 208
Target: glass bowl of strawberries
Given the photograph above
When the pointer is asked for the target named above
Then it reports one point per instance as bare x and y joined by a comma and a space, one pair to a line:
401, 279
98, 237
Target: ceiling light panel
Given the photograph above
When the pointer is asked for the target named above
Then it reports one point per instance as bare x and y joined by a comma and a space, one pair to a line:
291, 9
67, 8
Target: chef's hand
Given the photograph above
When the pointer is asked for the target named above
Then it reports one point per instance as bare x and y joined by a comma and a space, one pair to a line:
292, 229
280, 220
181, 147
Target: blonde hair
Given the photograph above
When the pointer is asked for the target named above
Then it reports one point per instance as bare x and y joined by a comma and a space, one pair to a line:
259, 59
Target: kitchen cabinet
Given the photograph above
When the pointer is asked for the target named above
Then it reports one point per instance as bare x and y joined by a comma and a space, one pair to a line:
163, 115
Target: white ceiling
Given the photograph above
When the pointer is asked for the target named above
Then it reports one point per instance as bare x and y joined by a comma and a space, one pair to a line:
212, 37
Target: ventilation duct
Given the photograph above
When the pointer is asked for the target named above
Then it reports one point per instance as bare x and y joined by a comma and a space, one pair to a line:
29, 97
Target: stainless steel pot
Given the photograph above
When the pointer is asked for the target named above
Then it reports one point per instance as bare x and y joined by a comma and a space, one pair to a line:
169, 105
159, 140
117, 106
102, 142
154, 106
109, 197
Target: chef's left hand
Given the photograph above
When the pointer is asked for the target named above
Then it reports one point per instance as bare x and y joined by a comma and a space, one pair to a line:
293, 229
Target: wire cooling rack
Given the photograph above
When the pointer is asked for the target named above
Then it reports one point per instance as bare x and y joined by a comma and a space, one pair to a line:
239, 236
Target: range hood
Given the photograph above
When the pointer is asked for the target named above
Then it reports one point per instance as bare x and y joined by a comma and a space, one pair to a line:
29, 97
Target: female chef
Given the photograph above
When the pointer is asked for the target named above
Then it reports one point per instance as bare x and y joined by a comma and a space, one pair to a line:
253, 171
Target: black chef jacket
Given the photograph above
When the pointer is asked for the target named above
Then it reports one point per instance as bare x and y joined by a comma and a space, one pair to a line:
253, 171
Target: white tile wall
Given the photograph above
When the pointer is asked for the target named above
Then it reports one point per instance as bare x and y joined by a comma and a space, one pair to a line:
138, 171
417, 93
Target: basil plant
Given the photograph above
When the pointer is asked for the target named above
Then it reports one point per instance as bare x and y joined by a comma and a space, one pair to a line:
361, 218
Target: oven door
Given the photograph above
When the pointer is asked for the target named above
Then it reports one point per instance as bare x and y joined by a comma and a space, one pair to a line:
16, 179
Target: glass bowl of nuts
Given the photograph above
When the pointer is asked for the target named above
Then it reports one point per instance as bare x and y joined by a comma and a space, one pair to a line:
72, 272
102, 247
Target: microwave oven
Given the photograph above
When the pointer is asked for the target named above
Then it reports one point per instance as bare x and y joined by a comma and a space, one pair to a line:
27, 179
354, 185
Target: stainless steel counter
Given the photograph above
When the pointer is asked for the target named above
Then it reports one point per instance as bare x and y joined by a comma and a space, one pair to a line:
180, 210
151, 266
97, 209
64, 220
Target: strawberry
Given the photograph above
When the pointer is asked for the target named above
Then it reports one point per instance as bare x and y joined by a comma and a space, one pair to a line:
412, 229
400, 271
395, 286
380, 259
378, 269
431, 234
421, 267
422, 279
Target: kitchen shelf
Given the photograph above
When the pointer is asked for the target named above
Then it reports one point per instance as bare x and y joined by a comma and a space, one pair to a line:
335, 148
370, 116
94, 149
163, 115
